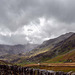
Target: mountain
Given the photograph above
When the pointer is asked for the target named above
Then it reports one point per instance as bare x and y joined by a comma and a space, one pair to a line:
16, 49
58, 48
58, 39
50, 49
48, 45
45, 52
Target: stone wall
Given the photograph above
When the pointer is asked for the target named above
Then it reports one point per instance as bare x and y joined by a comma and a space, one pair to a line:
17, 70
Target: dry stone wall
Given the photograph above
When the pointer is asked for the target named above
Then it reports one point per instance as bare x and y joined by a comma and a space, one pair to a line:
17, 70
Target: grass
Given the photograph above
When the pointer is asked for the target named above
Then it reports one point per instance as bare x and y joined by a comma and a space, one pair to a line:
68, 57
23, 62
39, 51
65, 67
5, 63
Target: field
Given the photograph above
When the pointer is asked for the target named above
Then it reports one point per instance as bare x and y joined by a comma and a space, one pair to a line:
66, 67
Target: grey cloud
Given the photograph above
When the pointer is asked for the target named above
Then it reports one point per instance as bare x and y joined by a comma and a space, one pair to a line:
14, 14
14, 39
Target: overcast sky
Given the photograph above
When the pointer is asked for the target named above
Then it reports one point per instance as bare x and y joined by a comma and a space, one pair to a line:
33, 21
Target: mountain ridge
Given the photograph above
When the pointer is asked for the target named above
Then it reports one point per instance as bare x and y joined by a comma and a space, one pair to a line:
62, 47
16, 49
46, 51
50, 43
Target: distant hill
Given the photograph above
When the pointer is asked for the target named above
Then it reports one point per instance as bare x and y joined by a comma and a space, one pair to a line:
16, 49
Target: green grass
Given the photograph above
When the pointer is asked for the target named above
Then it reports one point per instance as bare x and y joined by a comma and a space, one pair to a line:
24, 62
56, 60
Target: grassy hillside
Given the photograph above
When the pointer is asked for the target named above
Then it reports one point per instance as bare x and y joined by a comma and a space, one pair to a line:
4, 63
68, 57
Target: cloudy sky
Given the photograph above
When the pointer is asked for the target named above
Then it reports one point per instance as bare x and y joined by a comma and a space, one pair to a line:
33, 21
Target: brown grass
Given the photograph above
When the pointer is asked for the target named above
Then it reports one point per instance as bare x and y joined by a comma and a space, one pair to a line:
66, 67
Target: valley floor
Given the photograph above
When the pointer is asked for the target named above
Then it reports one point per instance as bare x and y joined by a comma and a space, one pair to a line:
66, 67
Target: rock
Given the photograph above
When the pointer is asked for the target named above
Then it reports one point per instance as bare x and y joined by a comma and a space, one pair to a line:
59, 73
50, 72
69, 73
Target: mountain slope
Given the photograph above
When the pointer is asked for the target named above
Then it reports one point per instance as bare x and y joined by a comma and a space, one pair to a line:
68, 57
16, 49
4, 63
50, 49
59, 48
58, 39
48, 45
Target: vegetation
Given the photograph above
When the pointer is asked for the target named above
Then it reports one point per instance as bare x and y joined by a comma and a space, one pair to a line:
68, 57
5, 63
66, 67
